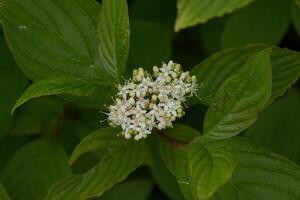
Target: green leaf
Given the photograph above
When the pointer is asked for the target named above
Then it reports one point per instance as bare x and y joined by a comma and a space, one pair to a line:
8, 147
277, 127
111, 170
150, 44
104, 139
285, 70
33, 169
222, 65
59, 85
113, 30
162, 176
295, 14
58, 38
168, 152
240, 98
193, 12
202, 171
54, 37
236, 169
264, 21
37, 116
3, 193
298, 2
10, 89
133, 190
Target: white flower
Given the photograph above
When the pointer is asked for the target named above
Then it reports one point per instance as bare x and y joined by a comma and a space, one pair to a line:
147, 102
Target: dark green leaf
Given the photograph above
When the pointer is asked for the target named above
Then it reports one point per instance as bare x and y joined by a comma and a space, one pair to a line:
236, 169
192, 12
33, 169
111, 170
104, 139
8, 147
133, 190
3, 193
240, 98
296, 16
12, 83
278, 127
37, 116
264, 21
113, 30
60, 85
216, 69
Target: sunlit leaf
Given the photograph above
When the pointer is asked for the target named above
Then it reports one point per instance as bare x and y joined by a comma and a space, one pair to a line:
113, 31
193, 12
61, 85
111, 170
240, 98
213, 71
235, 169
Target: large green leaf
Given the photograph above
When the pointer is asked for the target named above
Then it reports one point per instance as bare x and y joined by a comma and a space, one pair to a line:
111, 170
192, 12
33, 169
295, 14
235, 169
114, 33
37, 116
104, 139
298, 2
10, 89
58, 38
3, 193
133, 190
201, 171
264, 21
54, 37
61, 85
240, 98
216, 69
278, 126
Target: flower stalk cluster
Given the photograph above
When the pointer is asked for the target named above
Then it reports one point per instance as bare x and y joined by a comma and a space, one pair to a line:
152, 101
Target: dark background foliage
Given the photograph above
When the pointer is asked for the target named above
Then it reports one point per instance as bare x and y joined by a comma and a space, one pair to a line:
153, 40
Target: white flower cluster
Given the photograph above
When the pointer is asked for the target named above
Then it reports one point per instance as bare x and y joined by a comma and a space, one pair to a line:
146, 102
